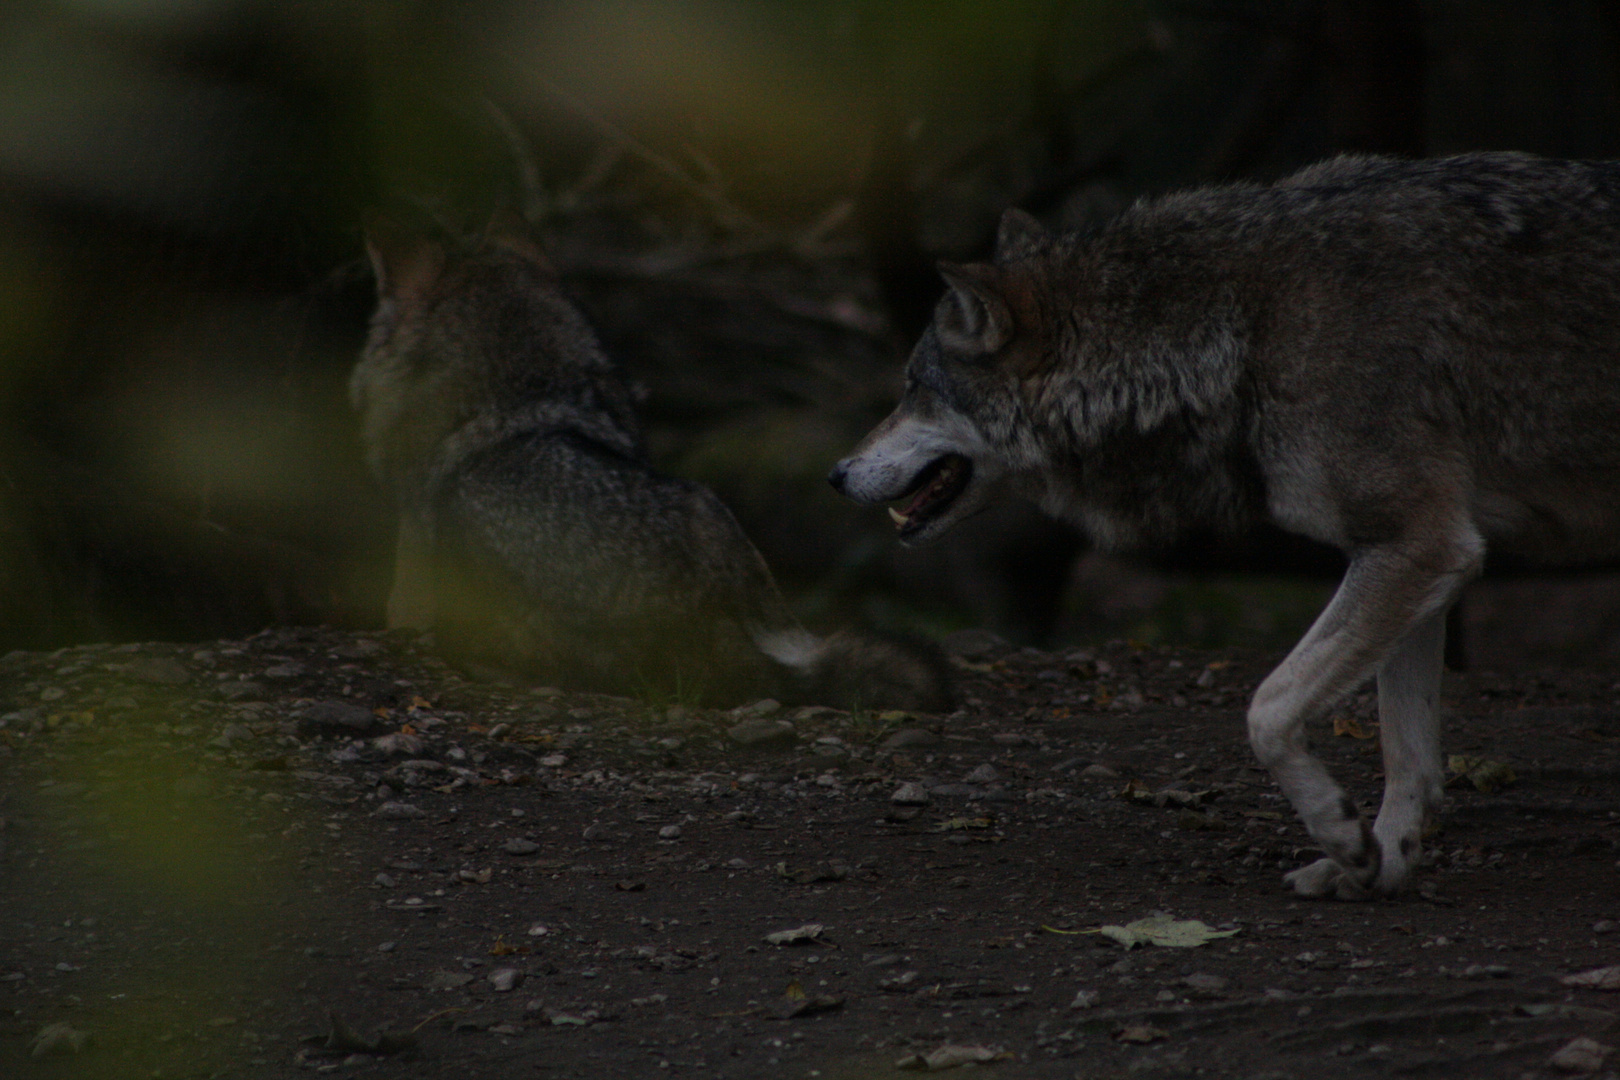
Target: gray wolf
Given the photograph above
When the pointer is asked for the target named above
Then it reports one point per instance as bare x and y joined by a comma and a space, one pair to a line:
534, 537
1416, 361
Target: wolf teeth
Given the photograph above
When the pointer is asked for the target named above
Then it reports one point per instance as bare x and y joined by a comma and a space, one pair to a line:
899, 518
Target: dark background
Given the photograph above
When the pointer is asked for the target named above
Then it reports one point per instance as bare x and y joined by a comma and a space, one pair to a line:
748, 199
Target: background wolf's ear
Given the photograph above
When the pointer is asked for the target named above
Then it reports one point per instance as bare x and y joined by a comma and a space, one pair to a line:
406, 262
508, 229
972, 318
1019, 235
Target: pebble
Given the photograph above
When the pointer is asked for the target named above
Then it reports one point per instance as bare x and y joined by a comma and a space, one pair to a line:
762, 732
1099, 772
755, 710
1085, 999
504, 979
233, 733
1205, 983
519, 846
910, 794
984, 774
399, 811
284, 671
554, 761
670, 832
385, 880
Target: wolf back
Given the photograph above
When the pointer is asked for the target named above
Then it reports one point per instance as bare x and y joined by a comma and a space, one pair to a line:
535, 537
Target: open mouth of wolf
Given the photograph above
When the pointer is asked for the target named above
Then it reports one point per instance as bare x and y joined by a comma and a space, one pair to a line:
933, 491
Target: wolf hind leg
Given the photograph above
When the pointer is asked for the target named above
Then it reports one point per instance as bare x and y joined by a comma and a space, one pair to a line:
1388, 595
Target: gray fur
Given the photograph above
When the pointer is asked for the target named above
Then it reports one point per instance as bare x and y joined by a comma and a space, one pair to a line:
535, 537
1415, 361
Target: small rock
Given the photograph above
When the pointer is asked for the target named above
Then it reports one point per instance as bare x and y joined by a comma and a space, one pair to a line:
1486, 971
1204, 983
52, 693
240, 690
284, 671
387, 881
398, 744
1099, 772
911, 738
447, 980
58, 1039
910, 794
554, 761
1085, 999
337, 718
596, 830
1581, 1055
984, 774
762, 733
1602, 926
399, 811
519, 846
504, 979
670, 832
756, 710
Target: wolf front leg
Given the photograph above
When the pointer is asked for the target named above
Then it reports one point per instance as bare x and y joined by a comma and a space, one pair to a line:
1409, 729
1386, 617
413, 601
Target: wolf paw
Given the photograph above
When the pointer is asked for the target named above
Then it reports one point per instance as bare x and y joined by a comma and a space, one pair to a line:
1325, 879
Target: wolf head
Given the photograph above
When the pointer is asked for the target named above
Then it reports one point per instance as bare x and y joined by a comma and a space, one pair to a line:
473, 334
1075, 371
957, 439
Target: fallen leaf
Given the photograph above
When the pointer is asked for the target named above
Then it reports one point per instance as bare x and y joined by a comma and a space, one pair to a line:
1603, 978
810, 1006
799, 935
1349, 726
342, 1039
1161, 929
795, 990
1486, 775
949, 1057
955, 823
1140, 1033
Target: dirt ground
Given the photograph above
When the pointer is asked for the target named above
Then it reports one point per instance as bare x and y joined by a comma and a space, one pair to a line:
211, 851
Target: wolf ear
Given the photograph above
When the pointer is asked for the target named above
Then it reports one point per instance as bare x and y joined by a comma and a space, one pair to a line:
405, 262
507, 229
973, 317
1019, 235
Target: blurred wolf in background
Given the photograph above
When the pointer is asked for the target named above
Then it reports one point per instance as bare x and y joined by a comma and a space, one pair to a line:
1412, 360
534, 536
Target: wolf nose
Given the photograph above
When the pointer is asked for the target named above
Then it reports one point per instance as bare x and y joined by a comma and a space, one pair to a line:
839, 474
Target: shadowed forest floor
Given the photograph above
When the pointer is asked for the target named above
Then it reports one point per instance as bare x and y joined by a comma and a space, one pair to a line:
211, 851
